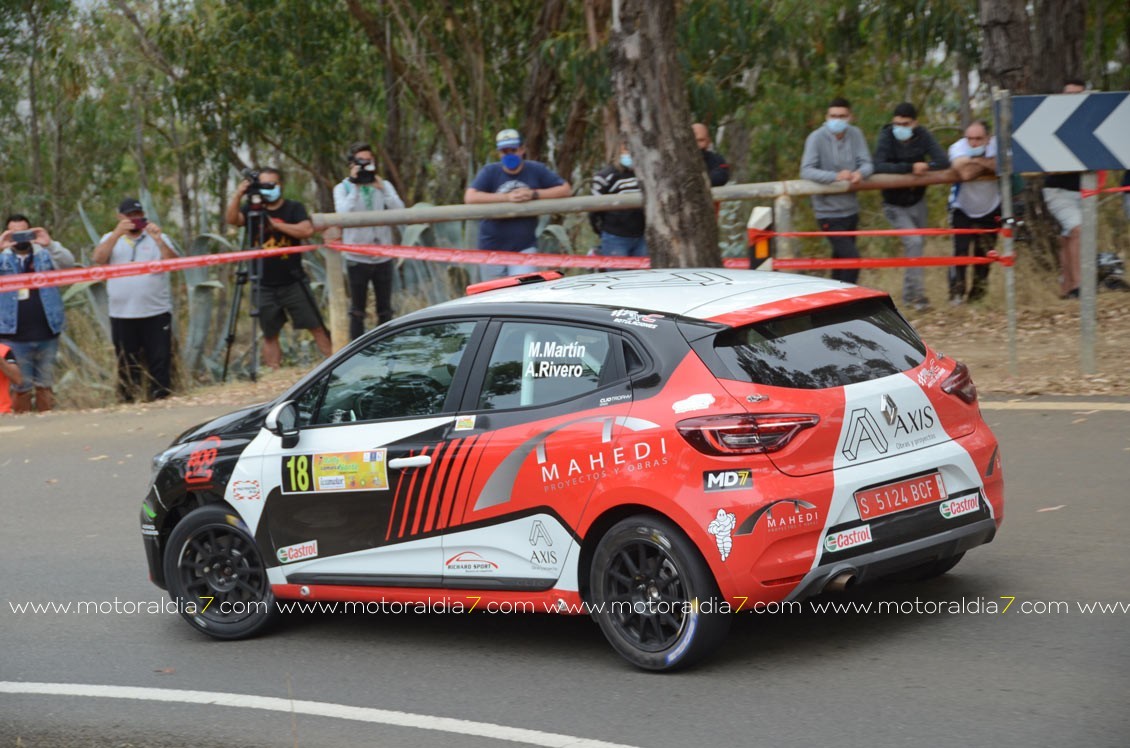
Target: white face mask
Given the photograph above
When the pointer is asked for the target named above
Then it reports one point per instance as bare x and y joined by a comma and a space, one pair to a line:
978, 150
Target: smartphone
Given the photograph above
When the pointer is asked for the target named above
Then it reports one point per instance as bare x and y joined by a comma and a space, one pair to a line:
20, 237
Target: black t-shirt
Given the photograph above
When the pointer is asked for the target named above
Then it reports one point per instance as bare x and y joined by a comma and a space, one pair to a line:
31, 320
281, 270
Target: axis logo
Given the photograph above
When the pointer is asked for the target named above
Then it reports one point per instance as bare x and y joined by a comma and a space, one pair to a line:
862, 427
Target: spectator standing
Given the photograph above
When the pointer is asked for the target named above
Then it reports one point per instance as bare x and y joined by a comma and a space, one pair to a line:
141, 306
512, 179
621, 231
284, 290
716, 166
974, 205
31, 319
906, 147
364, 190
837, 152
9, 377
1061, 194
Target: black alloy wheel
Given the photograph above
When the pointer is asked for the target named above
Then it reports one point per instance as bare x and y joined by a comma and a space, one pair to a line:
216, 574
653, 595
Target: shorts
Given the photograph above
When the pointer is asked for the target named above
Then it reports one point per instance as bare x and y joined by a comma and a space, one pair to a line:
277, 303
1066, 206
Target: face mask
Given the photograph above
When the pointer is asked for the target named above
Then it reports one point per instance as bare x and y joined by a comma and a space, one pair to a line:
836, 126
511, 161
902, 132
976, 151
272, 194
626, 160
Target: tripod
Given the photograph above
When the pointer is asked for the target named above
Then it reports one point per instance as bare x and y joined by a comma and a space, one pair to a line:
247, 270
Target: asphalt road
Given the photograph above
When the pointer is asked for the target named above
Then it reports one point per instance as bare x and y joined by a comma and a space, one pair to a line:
1037, 674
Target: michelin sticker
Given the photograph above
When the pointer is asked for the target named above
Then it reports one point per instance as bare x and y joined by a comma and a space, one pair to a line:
721, 527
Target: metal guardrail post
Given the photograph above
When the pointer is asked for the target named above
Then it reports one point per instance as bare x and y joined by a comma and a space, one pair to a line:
1003, 100
783, 221
1088, 275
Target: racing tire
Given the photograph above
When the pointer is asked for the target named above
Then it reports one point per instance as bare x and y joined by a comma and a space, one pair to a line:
928, 570
654, 597
217, 576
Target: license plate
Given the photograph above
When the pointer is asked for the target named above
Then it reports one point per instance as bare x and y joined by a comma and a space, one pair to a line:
900, 496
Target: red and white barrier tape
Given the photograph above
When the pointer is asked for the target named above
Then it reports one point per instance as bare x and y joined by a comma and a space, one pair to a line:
105, 272
460, 256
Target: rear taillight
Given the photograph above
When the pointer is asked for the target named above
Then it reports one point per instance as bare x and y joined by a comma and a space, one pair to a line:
960, 383
744, 433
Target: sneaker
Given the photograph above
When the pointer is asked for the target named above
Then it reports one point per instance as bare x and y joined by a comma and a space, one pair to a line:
956, 300
1072, 294
921, 305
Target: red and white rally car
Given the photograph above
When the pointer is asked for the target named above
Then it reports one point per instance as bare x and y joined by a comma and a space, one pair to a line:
655, 448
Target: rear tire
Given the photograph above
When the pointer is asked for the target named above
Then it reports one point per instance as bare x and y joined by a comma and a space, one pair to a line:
654, 596
216, 575
928, 570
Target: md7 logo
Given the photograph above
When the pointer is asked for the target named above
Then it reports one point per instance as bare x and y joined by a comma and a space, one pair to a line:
727, 480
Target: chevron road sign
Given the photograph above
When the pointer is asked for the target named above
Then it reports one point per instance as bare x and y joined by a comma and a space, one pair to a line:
1071, 132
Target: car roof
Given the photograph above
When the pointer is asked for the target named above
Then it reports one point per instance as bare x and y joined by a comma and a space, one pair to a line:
713, 294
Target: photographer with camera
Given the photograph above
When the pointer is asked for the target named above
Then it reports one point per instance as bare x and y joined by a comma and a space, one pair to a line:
141, 306
284, 290
364, 190
31, 319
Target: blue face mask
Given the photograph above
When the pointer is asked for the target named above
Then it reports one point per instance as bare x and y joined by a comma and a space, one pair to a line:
626, 160
272, 194
902, 132
977, 151
836, 126
511, 161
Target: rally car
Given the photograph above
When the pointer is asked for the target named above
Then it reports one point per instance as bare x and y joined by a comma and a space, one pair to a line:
657, 449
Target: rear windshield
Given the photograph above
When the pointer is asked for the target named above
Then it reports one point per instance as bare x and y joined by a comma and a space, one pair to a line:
829, 347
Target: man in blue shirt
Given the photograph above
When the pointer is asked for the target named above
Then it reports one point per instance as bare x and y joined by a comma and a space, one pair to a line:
512, 179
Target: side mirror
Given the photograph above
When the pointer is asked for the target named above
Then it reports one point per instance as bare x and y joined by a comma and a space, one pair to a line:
282, 421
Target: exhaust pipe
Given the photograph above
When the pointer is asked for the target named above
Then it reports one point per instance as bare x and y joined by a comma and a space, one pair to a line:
840, 582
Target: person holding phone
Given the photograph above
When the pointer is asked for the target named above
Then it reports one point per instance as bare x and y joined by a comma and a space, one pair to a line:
31, 319
141, 306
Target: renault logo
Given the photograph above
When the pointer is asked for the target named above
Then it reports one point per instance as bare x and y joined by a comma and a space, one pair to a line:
889, 410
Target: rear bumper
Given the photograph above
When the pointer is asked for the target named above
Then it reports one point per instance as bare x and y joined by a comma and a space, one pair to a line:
880, 563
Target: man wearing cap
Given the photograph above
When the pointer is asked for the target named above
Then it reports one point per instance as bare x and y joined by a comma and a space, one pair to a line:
512, 179
141, 307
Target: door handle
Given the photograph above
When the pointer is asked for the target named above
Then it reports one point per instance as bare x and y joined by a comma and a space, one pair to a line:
410, 462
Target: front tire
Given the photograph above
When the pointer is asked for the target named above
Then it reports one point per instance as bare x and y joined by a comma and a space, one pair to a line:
654, 596
216, 575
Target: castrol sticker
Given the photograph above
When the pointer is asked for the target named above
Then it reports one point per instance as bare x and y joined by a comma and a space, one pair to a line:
957, 507
841, 541
288, 554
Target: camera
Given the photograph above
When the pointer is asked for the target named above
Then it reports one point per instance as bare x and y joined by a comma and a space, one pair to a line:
255, 189
367, 173
22, 237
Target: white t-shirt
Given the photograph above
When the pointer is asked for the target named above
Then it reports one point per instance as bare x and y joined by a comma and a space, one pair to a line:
975, 199
138, 296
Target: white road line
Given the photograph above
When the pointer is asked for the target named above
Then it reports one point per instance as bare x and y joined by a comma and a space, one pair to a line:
312, 708
1086, 407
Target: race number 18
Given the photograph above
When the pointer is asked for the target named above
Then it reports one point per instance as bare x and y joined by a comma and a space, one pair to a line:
296, 474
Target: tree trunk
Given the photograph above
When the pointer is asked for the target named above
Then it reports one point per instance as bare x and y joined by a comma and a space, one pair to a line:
963, 85
1006, 59
655, 115
33, 122
1060, 27
542, 83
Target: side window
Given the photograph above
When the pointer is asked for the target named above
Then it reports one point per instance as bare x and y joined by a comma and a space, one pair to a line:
407, 374
537, 363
